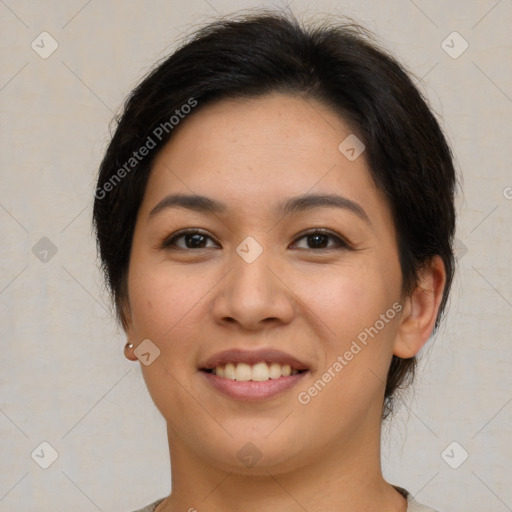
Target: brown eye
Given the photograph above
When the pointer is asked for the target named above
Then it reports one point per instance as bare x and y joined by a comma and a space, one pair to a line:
321, 240
190, 240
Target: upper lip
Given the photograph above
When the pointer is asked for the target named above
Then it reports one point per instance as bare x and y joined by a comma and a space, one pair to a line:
251, 357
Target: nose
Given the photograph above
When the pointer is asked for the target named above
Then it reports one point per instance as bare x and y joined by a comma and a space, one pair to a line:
253, 295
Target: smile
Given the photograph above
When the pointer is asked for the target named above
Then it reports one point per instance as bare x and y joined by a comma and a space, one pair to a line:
259, 372
251, 375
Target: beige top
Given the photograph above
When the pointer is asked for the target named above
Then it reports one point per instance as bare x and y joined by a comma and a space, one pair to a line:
412, 504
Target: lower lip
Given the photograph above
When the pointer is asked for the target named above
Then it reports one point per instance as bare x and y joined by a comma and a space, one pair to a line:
250, 390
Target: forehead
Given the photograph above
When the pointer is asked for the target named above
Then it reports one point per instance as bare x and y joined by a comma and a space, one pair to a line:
251, 153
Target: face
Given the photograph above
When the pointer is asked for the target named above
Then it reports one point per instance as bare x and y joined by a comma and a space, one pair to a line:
274, 297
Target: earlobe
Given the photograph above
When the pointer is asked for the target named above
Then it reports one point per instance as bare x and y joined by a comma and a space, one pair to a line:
126, 321
129, 352
420, 310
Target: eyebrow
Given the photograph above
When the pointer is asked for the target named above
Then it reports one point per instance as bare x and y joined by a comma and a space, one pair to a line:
191, 202
311, 201
292, 205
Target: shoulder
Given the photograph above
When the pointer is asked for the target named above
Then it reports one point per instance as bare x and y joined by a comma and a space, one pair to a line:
150, 508
412, 504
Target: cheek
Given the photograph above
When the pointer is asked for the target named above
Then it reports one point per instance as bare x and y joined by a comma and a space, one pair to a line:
346, 299
357, 326
164, 305
162, 300
356, 345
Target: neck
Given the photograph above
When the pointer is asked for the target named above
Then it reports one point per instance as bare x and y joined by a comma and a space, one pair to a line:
345, 478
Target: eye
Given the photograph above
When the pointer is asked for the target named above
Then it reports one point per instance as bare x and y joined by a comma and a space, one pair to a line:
189, 239
321, 239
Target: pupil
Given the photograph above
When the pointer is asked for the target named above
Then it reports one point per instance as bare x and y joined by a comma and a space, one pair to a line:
196, 240
318, 241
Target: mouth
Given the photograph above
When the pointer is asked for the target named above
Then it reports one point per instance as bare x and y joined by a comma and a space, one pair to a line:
258, 372
253, 375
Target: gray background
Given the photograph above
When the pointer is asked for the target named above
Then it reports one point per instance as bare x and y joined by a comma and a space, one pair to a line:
63, 376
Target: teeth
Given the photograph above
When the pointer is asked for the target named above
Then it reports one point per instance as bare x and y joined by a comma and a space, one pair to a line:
275, 371
258, 372
229, 371
243, 372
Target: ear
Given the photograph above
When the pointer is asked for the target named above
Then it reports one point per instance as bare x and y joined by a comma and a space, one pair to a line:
420, 310
126, 321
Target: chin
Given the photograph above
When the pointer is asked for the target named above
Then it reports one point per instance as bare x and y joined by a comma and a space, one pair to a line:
259, 453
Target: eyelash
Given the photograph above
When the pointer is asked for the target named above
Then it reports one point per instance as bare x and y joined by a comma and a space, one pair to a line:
340, 242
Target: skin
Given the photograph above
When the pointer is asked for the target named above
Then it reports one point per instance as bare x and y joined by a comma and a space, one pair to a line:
310, 302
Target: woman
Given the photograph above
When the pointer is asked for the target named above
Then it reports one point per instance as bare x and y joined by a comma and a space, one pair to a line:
275, 218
